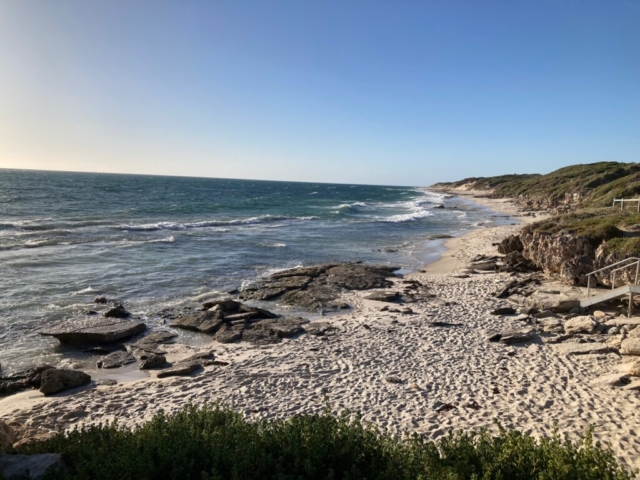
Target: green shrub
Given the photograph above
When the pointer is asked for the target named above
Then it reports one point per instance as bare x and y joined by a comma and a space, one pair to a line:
209, 443
629, 246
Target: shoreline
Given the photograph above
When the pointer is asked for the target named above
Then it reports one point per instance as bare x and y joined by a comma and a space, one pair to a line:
398, 369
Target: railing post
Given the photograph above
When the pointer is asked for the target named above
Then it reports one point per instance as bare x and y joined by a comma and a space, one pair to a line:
588, 286
613, 282
637, 268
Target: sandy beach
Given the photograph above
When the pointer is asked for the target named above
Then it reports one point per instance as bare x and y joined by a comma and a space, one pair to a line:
392, 367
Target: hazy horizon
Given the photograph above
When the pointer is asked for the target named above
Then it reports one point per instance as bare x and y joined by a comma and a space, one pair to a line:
369, 93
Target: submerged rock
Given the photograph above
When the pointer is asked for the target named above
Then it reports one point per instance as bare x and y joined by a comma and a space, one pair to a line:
93, 330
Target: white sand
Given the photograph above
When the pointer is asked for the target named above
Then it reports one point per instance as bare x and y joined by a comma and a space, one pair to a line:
526, 387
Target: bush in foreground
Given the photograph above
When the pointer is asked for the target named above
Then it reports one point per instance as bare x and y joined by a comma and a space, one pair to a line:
217, 443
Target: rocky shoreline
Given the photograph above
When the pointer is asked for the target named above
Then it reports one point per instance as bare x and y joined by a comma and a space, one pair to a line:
491, 338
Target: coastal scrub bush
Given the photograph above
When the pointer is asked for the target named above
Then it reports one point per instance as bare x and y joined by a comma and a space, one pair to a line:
211, 443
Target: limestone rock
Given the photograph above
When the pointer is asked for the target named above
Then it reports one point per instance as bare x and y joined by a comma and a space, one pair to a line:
318, 286
117, 312
115, 360
383, 296
630, 346
599, 314
57, 380
634, 370
517, 336
205, 322
551, 325
510, 244
153, 361
7, 435
150, 345
93, 330
503, 311
180, 370
29, 466
580, 324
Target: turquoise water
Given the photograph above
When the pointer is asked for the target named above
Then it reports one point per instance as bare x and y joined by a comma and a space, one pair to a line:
156, 242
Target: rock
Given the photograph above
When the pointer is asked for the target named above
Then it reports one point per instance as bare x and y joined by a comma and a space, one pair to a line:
581, 324
29, 466
510, 244
438, 237
503, 311
29, 436
151, 344
227, 305
582, 348
317, 287
392, 379
205, 322
494, 337
615, 341
180, 370
93, 330
228, 333
565, 306
115, 360
106, 382
383, 296
7, 435
448, 324
319, 329
117, 312
153, 361
599, 314
101, 299
546, 314
551, 325
22, 381
516, 336
630, 346
270, 331
57, 380
623, 321
634, 370
438, 207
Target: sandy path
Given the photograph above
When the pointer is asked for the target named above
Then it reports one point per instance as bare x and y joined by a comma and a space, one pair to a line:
526, 387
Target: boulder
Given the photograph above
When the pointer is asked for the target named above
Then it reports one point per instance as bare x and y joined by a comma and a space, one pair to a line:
510, 244
153, 361
115, 360
551, 325
7, 435
589, 348
205, 322
57, 380
117, 312
383, 296
516, 336
101, 299
21, 381
180, 369
319, 329
226, 305
229, 334
93, 330
580, 324
634, 370
151, 344
503, 311
630, 346
599, 314
29, 466
564, 306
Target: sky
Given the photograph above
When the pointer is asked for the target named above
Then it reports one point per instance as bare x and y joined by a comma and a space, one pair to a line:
356, 91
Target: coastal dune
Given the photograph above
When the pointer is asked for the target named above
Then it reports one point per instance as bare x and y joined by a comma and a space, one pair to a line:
428, 371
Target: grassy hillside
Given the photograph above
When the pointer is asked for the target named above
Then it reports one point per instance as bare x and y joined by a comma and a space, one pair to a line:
596, 184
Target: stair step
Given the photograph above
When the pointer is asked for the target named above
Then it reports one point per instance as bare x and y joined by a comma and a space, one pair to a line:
610, 295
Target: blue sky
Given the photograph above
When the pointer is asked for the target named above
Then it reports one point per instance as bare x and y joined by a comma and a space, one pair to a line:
399, 92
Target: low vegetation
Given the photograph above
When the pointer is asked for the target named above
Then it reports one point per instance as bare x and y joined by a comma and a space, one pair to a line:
595, 184
216, 443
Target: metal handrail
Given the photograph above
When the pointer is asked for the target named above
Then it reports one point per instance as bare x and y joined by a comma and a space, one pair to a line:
635, 261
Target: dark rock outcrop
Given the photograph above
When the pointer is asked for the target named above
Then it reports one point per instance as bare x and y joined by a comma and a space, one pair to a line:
18, 382
510, 244
180, 370
153, 361
57, 380
151, 344
93, 330
318, 286
117, 312
115, 360
383, 296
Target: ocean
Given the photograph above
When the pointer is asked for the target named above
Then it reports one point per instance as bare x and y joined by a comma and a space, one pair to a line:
156, 242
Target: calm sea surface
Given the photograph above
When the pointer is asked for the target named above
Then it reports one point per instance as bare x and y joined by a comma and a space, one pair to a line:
156, 242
